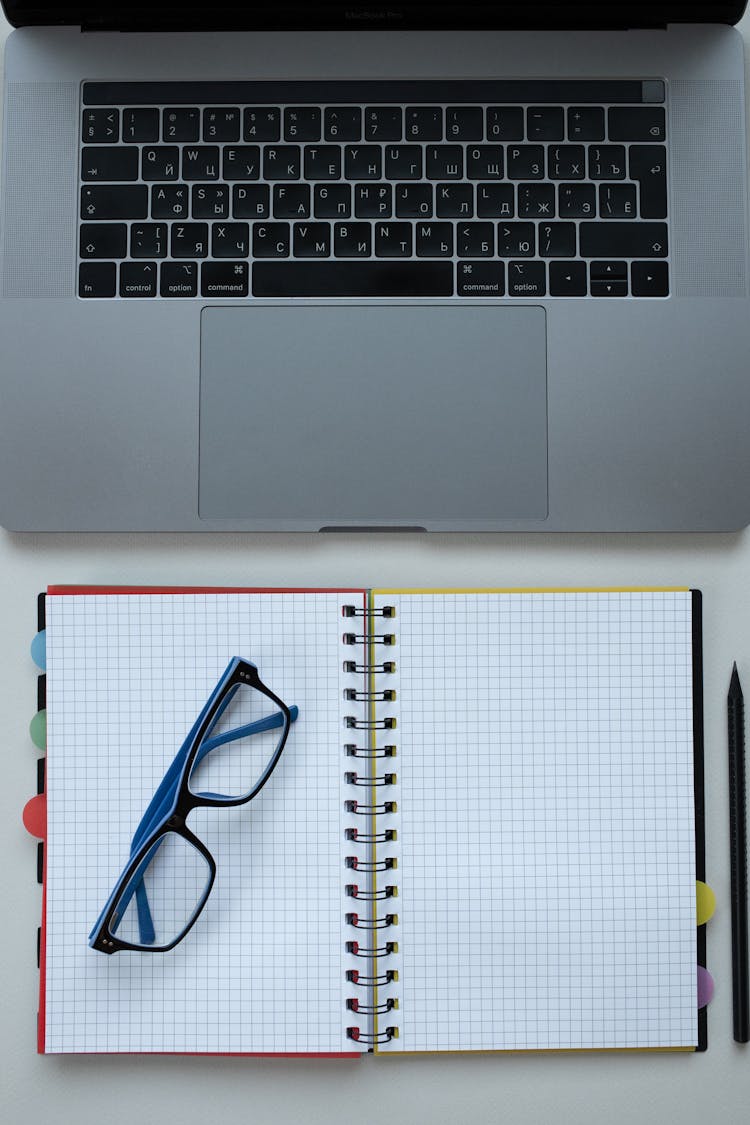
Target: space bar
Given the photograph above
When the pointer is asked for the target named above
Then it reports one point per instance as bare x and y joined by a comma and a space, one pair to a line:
353, 279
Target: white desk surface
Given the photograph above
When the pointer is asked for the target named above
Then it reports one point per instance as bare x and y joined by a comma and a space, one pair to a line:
575, 1089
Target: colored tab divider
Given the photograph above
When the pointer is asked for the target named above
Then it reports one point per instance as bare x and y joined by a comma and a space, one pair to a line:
39, 650
38, 730
35, 816
705, 904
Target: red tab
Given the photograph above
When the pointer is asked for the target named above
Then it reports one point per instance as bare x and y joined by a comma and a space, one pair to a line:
35, 816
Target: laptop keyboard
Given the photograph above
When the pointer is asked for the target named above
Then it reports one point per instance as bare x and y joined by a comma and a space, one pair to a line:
234, 190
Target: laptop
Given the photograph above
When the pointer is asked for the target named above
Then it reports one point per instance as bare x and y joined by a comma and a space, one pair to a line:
275, 266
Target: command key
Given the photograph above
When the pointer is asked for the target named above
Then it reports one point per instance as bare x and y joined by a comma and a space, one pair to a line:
480, 279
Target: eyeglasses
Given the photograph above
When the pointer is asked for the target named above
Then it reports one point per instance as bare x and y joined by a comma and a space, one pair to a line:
168, 878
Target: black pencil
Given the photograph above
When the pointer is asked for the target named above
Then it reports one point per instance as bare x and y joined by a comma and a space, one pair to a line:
738, 858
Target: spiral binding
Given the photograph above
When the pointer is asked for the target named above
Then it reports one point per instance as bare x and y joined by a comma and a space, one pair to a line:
366, 892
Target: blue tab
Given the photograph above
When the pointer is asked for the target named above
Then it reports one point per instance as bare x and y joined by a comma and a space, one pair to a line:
39, 650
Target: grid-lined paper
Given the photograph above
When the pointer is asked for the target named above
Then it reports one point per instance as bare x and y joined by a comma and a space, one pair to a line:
546, 802
263, 968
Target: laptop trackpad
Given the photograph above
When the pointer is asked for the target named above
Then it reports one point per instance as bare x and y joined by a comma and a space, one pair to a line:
387, 414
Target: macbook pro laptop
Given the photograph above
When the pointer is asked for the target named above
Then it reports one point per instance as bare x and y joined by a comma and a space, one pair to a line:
321, 266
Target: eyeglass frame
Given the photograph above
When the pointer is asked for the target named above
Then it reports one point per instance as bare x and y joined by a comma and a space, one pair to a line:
173, 801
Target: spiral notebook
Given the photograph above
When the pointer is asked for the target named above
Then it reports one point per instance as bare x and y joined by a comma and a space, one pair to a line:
483, 833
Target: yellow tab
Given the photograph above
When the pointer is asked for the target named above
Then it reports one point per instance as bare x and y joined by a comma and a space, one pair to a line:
705, 902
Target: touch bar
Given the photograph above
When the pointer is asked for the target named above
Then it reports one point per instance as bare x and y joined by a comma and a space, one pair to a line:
522, 91
353, 279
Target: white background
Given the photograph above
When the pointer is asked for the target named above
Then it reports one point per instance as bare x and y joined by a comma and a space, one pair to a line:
577, 1089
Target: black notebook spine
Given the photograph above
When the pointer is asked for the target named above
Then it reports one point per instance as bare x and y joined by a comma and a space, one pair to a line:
371, 785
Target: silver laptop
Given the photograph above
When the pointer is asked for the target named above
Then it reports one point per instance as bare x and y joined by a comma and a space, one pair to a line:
300, 266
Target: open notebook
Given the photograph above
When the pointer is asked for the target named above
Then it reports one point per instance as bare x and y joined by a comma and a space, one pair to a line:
480, 834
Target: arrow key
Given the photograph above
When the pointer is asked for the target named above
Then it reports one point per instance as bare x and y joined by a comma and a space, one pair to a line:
567, 279
650, 279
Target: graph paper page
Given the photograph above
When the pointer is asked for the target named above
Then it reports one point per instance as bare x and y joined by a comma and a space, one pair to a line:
262, 969
546, 821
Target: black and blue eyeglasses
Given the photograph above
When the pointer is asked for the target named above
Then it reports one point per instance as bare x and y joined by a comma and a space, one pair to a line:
168, 878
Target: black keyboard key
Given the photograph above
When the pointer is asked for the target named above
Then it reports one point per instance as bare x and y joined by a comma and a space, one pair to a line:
230, 240
181, 124
224, 279
97, 279
454, 201
179, 279
516, 240
373, 201
445, 162
140, 125
332, 201
650, 279
383, 123
585, 123
526, 162
393, 240
282, 163
302, 123
291, 201
413, 201
423, 123
480, 279
385, 278
271, 240
648, 165
434, 240
527, 279
362, 162
160, 162
100, 127
567, 162
475, 240
609, 271
403, 162
568, 279
322, 162
545, 123
103, 240
464, 123
242, 162
495, 201
618, 201
609, 288
138, 279
251, 202
189, 240
505, 123
607, 162
576, 201
623, 240
121, 201
221, 123
352, 240
637, 123
262, 123
311, 240
102, 165
148, 240
536, 201
200, 163
210, 201
342, 123
169, 201
557, 240
484, 162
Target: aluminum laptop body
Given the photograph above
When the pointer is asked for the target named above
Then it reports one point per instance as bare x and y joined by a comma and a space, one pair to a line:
286, 267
